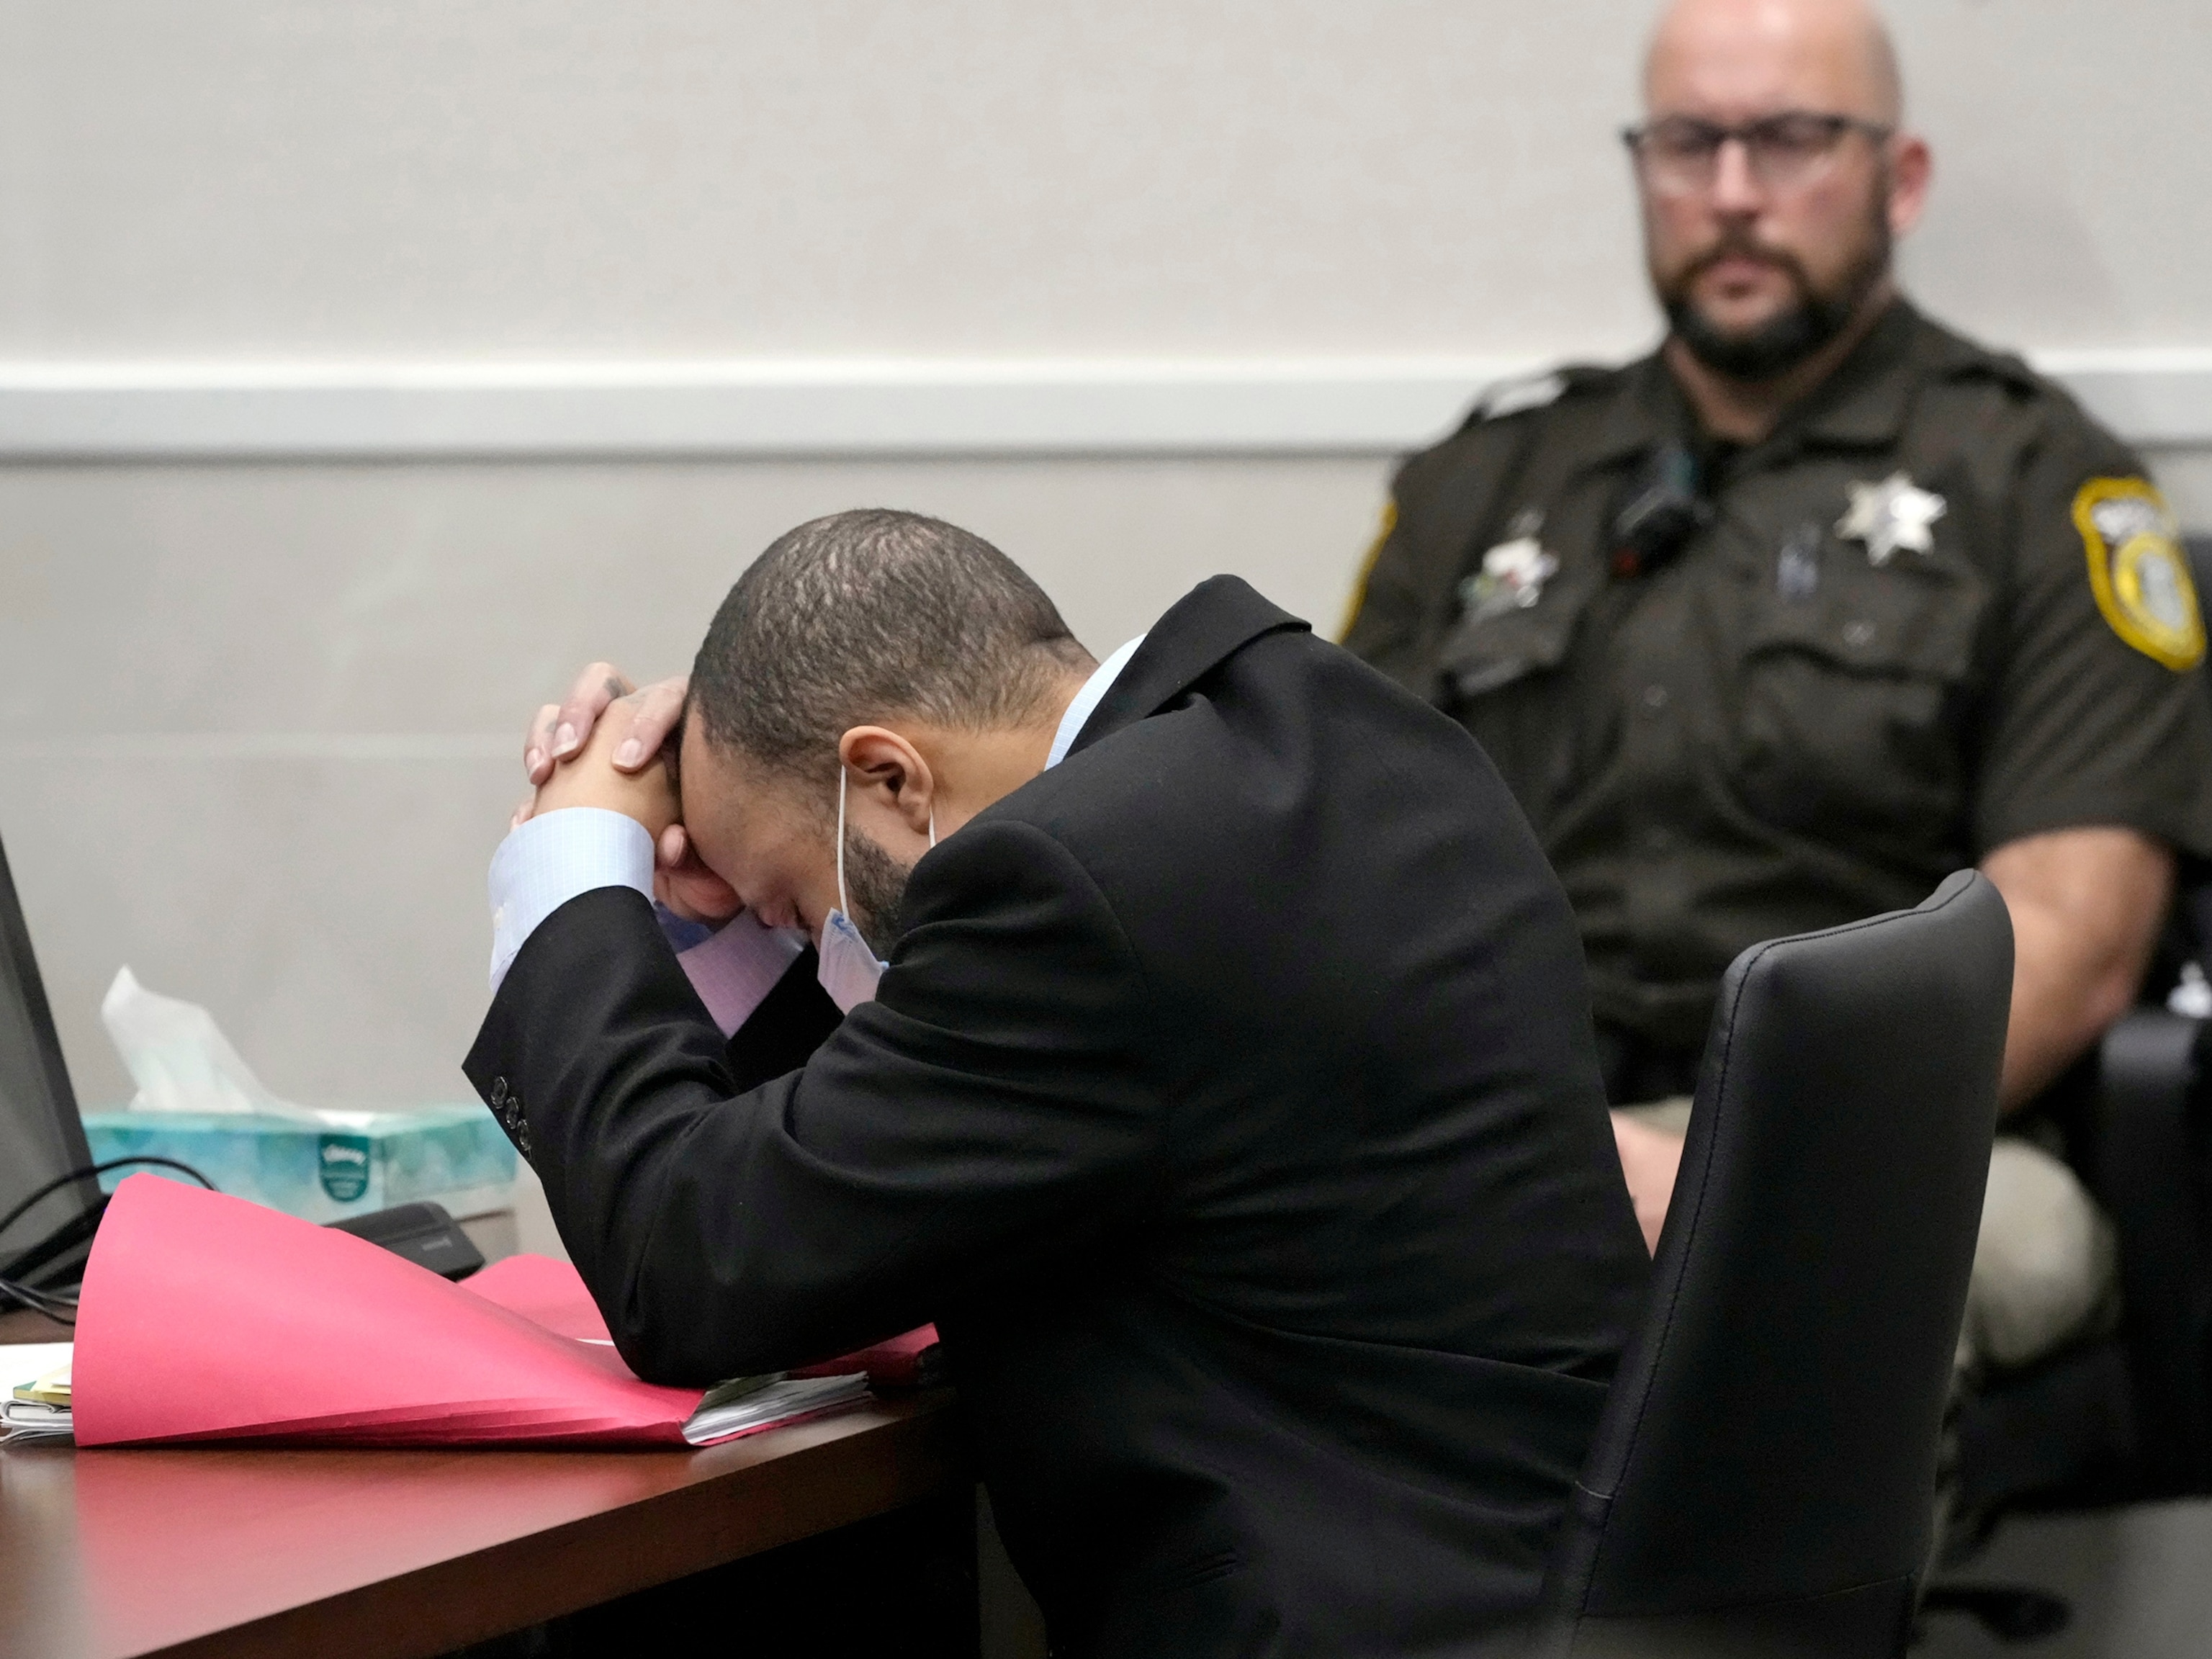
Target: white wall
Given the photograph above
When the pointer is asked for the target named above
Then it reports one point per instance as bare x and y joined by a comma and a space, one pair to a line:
732, 177
255, 739
260, 731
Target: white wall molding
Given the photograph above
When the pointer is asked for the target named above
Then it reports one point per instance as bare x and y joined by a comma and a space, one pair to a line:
2160, 399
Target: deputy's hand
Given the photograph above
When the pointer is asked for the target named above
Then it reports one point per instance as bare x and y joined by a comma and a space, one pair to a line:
562, 729
590, 777
1650, 1158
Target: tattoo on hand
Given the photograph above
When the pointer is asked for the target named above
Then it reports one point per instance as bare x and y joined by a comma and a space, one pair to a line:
616, 686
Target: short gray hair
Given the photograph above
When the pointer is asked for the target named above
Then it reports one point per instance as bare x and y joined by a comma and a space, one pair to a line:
867, 614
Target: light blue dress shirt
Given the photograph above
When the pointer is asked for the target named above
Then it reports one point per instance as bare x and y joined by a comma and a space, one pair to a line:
545, 862
1087, 701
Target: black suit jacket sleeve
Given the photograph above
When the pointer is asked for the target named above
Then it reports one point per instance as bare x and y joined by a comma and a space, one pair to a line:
990, 1116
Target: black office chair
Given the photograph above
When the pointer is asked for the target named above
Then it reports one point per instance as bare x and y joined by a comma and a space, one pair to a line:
1762, 1481
2118, 1418
2142, 1156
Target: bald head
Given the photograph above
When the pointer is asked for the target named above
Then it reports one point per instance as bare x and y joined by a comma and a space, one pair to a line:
1734, 59
1774, 182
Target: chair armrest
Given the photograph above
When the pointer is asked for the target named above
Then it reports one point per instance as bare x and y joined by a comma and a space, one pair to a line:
2146, 1177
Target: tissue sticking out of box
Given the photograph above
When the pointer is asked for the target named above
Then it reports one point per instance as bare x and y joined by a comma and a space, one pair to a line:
178, 1057
200, 1103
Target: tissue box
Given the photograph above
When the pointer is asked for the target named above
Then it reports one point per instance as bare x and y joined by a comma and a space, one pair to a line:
324, 1172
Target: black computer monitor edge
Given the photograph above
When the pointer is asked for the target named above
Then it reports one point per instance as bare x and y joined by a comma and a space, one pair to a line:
49, 1073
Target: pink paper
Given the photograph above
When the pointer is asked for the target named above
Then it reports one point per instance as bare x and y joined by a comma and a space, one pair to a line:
206, 1317
900, 1363
540, 1288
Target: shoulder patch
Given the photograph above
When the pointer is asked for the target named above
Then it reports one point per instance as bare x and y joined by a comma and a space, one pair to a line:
2137, 569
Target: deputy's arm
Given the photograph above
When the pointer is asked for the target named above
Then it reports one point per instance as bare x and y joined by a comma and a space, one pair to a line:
2095, 763
2086, 909
1651, 1160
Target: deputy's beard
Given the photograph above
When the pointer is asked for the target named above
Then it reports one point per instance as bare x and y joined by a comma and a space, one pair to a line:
875, 884
1792, 335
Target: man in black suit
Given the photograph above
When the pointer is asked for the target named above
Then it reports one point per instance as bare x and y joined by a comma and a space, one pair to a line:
1228, 1097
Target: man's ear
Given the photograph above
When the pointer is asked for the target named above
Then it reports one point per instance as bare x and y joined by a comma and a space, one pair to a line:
1911, 169
880, 761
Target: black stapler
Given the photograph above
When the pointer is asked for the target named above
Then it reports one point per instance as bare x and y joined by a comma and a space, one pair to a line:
423, 1233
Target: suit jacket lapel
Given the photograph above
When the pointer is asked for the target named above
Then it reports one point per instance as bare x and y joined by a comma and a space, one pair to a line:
1214, 621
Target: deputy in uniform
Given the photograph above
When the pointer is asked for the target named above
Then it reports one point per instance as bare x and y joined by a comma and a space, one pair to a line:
1775, 628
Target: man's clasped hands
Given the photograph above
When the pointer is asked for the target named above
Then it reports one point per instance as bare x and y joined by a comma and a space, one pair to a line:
613, 745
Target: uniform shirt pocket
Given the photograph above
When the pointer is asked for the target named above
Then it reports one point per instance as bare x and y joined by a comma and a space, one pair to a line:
1849, 709
1502, 681
1496, 641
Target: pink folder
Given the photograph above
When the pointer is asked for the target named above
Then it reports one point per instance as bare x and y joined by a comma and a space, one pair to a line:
209, 1318
540, 1288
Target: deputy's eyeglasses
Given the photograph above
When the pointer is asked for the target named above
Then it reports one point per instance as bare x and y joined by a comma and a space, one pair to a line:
1680, 154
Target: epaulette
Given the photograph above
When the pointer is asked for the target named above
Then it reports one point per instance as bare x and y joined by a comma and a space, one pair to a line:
1523, 392
1968, 359
2005, 367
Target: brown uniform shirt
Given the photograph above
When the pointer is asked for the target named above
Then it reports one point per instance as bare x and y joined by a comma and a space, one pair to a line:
1938, 609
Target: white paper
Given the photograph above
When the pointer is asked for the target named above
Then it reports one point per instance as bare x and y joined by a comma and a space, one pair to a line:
25, 1421
24, 1362
794, 1396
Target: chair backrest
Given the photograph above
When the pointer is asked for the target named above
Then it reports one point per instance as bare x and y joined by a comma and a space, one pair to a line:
1762, 1479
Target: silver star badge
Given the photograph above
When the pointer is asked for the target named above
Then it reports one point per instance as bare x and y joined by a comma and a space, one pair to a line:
1512, 578
1894, 514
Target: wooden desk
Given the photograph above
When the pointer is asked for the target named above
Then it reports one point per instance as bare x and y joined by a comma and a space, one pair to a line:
405, 1554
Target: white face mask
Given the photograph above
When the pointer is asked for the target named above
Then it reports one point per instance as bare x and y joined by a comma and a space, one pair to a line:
848, 969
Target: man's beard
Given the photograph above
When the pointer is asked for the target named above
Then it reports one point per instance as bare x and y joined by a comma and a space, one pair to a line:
875, 884
1791, 336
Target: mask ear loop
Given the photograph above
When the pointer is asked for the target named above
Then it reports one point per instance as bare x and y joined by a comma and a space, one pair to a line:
842, 904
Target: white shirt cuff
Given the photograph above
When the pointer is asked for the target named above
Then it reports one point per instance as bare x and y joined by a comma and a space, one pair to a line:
547, 861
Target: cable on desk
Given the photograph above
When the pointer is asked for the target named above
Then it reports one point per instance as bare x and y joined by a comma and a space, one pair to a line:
87, 1171
60, 1305
62, 1310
